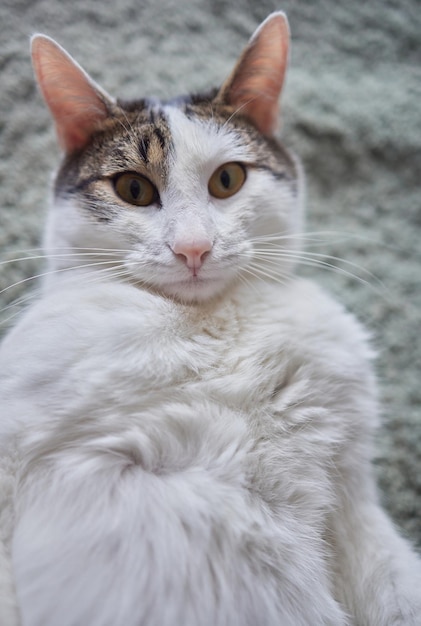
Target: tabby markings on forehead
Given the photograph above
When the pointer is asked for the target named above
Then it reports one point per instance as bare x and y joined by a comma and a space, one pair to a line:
159, 134
148, 148
144, 147
156, 114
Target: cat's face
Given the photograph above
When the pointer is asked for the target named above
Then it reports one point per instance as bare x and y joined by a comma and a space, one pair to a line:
182, 197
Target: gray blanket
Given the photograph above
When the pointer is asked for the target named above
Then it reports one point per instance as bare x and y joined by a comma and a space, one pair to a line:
351, 110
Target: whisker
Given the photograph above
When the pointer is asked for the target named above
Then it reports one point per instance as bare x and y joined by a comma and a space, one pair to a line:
313, 259
109, 273
18, 304
112, 271
323, 237
252, 285
68, 278
56, 256
282, 253
257, 271
314, 263
20, 301
56, 271
4, 322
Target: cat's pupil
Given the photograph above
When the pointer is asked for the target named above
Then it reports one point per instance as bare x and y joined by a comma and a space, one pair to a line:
225, 179
135, 189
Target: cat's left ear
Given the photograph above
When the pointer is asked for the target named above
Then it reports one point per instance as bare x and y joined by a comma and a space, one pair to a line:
255, 85
77, 103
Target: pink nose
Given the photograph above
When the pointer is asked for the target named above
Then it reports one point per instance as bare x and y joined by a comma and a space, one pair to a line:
193, 252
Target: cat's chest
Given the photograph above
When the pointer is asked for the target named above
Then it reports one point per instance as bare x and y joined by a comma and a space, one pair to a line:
162, 350
114, 353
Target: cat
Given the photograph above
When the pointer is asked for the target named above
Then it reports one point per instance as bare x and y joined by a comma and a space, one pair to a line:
186, 424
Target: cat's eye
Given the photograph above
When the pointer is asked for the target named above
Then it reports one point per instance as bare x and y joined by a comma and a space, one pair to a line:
227, 180
135, 189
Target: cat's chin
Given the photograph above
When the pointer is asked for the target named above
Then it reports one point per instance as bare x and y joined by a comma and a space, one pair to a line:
194, 290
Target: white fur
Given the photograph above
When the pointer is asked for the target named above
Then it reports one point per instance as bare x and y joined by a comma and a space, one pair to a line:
204, 464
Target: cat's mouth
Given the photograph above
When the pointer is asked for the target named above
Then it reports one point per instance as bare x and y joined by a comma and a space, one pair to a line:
195, 288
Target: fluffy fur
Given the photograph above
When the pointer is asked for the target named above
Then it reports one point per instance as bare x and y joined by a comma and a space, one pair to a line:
189, 445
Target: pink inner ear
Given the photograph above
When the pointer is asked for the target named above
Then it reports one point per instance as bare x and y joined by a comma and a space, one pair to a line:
76, 103
256, 83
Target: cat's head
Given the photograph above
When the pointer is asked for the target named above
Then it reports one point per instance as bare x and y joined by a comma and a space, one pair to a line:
184, 196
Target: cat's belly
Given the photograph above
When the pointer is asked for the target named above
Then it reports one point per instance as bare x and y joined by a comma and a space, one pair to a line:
182, 517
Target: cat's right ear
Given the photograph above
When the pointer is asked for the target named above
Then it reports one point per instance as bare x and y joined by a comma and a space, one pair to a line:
77, 104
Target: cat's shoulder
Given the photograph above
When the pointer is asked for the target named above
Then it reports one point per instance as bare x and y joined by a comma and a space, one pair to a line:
303, 306
300, 323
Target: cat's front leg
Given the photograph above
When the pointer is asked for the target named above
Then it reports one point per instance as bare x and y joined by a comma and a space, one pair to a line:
378, 576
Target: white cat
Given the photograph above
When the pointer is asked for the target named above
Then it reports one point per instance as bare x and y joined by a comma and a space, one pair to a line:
185, 426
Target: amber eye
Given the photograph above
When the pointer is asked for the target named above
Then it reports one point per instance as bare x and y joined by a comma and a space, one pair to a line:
227, 180
135, 189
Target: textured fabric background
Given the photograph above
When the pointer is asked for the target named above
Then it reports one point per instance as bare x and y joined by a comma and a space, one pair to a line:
352, 112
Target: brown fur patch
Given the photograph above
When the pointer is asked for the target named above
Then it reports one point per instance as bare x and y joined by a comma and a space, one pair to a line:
133, 138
